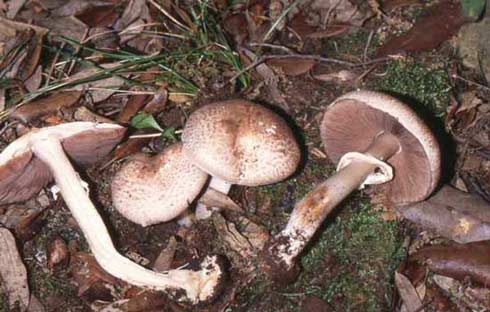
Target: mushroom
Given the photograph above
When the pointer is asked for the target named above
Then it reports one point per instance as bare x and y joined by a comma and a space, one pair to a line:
239, 142
30, 162
153, 189
374, 139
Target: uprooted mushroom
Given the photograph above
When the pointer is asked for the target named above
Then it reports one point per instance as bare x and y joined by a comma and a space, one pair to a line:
32, 161
374, 139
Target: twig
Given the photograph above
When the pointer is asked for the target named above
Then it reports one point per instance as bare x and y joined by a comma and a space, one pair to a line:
317, 58
368, 43
470, 82
161, 9
272, 46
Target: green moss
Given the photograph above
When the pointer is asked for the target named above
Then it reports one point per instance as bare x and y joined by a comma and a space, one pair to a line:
364, 251
425, 87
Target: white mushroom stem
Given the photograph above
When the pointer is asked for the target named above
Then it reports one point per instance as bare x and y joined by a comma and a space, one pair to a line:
204, 212
198, 285
310, 212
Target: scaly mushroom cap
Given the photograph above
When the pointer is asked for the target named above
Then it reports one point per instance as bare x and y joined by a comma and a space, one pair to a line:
154, 189
22, 175
351, 123
241, 142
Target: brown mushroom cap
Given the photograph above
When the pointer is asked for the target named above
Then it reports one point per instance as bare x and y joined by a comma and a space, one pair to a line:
154, 189
241, 142
351, 123
22, 175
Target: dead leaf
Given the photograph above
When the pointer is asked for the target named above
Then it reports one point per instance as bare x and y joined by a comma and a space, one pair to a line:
214, 198
67, 26
104, 16
13, 272
14, 7
236, 26
341, 76
84, 114
131, 146
133, 105
270, 79
45, 106
408, 293
57, 252
35, 305
441, 22
166, 256
454, 214
158, 102
77, 7
136, 9
230, 235
292, 66
34, 82
476, 299
142, 302
20, 48
458, 261
390, 5
92, 281
339, 11
103, 88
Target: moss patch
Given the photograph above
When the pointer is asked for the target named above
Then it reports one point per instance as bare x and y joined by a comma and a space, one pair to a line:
358, 253
427, 88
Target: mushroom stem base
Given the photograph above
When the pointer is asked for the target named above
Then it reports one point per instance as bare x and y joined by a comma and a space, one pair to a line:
203, 212
199, 285
310, 212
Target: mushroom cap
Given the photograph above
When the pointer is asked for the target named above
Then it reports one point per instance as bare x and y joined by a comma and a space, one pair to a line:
351, 123
154, 189
22, 175
241, 142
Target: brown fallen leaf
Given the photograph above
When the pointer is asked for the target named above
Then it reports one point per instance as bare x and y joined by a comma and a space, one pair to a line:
230, 235
35, 305
90, 278
341, 76
458, 261
131, 146
158, 102
45, 106
292, 66
84, 114
408, 293
476, 299
34, 81
57, 252
102, 88
66, 26
166, 256
14, 7
236, 25
441, 22
103, 16
19, 55
454, 214
214, 198
133, 105
77, 7
13, 272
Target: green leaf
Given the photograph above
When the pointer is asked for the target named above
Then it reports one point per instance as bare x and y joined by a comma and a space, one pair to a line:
143, 120
473, 9
169, 134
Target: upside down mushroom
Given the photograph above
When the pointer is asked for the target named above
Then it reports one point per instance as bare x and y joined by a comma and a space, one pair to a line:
374, 139
33, 160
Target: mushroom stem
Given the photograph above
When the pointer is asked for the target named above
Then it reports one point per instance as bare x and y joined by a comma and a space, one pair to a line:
309, 213
203, 212
198, 285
